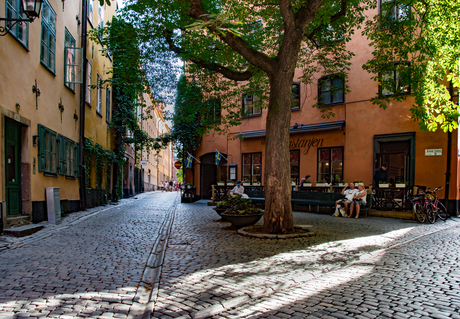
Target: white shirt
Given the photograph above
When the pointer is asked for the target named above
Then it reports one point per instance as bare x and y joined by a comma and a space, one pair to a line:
238, 190
349, 193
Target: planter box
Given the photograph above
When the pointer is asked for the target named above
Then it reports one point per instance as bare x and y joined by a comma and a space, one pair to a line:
255, 184
240, 220
321, 185
306, 184
220, 184
246, 184
342, 184
230, 184
400, 185
384, 185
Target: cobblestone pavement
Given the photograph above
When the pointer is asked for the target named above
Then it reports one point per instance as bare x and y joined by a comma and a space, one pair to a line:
366, 268
89, 266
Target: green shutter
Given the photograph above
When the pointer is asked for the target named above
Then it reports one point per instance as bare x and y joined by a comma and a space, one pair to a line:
41, 148
62, 155
77, 160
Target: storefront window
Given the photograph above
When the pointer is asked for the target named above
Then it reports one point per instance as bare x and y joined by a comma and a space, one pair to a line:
295, 156
330, 164
252, 167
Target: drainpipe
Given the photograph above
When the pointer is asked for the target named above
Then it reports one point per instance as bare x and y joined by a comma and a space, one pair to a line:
84, 25
449, 155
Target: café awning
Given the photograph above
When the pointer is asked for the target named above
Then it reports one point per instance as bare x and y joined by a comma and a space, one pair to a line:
299, 129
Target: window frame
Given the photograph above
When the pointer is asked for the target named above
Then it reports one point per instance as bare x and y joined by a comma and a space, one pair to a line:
68, 157
296, 97
16, 13
386, 23
395, 79
89, 76
44, 153
252, 175
99, 87
68, 36
320, 176
108, 104
331, 78
47, 28
253, 101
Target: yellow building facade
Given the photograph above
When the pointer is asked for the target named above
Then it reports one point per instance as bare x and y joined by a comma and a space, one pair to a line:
40, 106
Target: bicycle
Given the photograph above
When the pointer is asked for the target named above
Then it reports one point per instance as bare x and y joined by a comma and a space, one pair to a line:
419, 205
435, 208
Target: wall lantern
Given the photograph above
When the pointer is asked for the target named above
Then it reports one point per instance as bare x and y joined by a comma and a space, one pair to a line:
31, 8
35, 140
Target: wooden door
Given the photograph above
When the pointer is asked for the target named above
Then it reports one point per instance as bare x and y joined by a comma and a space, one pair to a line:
13, 167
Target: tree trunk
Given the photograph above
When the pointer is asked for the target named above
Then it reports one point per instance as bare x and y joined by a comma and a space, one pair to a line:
278, 211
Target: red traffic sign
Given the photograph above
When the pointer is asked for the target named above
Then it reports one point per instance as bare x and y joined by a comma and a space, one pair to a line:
177, 165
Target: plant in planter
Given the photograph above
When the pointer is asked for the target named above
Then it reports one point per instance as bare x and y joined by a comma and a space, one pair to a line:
256, 183
401, 184
321, 183
221, 183
246, 183
383, 184
190, 185
239, 211
229, 183
342, 183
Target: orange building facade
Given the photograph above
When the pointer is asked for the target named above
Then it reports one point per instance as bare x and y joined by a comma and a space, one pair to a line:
349, 146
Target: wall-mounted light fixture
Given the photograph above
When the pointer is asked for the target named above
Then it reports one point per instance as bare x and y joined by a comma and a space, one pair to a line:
61, 107
32, 10
35, 140
17, 107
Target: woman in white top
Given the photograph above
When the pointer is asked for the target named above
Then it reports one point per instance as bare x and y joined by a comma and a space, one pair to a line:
359, 199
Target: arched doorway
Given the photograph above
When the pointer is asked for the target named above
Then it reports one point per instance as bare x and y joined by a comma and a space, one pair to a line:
210, 173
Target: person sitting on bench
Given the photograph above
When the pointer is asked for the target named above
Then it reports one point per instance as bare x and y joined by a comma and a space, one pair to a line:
349, 190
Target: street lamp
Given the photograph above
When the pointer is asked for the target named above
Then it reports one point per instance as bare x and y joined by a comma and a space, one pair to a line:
32, 10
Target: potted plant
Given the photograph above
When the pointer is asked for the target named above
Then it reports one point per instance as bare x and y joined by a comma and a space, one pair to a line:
256, 183
321, 183
246, 183
229, 183
239, 211
306, 184
384, 184
221, 183
190, 185
342, 183
400, 184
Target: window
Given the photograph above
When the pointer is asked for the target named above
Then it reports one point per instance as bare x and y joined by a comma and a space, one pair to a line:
251, 105
393, 13
69, 55
46, 150
295, 160
90, 11
20, 30
107, 104
331, 90
99, 95
48, 41
89, 74
392, 81
252, 167
330, 164
295, 96
214, 109
68, 157
100, 12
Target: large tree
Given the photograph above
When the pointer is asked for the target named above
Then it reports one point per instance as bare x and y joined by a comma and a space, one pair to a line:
255, 46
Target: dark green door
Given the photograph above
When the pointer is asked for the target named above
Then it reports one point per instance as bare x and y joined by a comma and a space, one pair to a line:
13, 167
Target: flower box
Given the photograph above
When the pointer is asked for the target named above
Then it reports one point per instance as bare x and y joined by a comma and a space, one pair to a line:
400, 185
229, 183
221, 183
321, 184
306, 184
342, 184
384, 185
256, 184
246, 184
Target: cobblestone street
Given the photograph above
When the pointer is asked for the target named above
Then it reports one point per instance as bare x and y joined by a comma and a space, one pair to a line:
153, 256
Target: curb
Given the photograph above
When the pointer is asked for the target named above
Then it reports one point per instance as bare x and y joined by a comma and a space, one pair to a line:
244, 231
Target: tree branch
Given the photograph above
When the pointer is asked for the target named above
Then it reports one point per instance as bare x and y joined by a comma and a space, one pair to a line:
254, 57
232, 75
341, 13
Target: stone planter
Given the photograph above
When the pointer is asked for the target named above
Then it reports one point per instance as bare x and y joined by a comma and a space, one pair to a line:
241, 220
219, 211
400, 185
384, 185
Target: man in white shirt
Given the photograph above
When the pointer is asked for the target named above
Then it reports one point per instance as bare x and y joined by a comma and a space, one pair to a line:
349, 191
238, 189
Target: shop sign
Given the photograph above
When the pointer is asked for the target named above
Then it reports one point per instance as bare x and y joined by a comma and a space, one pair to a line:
304, 144
433, 152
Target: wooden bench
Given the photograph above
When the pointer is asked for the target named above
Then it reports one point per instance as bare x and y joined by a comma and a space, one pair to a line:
305, 198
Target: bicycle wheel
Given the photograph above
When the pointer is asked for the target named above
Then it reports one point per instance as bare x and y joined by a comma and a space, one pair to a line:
418, 211
430, 213
442, 212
